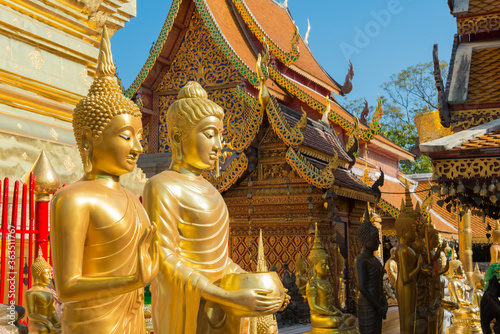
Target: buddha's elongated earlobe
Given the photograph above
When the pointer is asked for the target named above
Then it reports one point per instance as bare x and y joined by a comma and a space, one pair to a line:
87, 150
177, 143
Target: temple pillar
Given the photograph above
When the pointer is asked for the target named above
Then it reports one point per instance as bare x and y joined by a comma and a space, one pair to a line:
465, 242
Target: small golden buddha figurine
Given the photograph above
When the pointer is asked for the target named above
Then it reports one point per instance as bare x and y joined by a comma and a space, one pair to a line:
40, 301
495, 247
325, 318
466, 317
391, 267
193, 228
477, 281
408, 266
101, 238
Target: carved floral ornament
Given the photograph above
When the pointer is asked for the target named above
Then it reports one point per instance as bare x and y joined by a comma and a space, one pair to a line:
473, 25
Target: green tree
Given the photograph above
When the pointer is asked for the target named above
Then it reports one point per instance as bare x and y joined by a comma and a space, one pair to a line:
407, 94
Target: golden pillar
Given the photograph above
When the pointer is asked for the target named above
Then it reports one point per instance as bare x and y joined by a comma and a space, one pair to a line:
465, 242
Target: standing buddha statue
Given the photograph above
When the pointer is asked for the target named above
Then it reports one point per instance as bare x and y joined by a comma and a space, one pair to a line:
372, 304
409, 266
301, 275
101, 237
193, 228
40, 301
325, 317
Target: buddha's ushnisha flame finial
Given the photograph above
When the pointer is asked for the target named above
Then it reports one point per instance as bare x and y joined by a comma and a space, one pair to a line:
261, 259
105, 66
317, 251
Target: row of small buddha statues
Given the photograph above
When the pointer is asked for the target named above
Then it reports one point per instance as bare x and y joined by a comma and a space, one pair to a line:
434, 295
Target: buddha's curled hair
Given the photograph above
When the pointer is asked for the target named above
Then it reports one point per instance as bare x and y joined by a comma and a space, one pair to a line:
192, 105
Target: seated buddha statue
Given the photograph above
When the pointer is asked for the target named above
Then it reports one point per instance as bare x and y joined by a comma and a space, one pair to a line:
325, 317
40, 301
465, 313
193, 228
101, 237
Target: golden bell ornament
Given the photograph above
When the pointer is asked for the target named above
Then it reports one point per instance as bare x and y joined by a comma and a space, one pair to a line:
460, 187
477, 188
497, 184
453, 191
435, 177
444, 190
492, 187
483, 192
493, 199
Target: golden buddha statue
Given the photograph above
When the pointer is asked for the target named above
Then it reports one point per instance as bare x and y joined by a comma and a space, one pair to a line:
465, 314
102, 240
193, 228
325, 318
477, 281
391, 267
40, 301
495, 247
408, 265
301, 275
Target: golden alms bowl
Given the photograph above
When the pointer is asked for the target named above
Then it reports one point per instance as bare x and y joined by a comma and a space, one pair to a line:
268, 280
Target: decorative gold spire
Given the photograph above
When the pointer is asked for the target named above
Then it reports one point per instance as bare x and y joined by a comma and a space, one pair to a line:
453, 254
45, 177
261, 258
105, 66
317, 251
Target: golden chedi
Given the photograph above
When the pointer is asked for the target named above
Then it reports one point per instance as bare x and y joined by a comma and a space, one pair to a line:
193, 228
409, 265
465, 313
101, 239
325, 317
40, 304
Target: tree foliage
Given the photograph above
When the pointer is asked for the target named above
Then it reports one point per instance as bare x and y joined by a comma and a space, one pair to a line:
407, 94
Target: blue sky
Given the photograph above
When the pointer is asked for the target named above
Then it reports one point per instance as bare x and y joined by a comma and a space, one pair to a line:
380, 37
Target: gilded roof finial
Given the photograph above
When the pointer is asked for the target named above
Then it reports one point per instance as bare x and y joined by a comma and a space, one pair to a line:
261, 258
306, 37
105, 66
409, 204
324, 118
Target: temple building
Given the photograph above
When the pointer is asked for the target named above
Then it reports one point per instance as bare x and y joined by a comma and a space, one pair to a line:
299, 161
466, 162
48, 60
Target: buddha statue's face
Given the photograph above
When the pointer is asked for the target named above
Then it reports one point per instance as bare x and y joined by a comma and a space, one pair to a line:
321, 268
373, 241
117, 149
44, 277
201, 145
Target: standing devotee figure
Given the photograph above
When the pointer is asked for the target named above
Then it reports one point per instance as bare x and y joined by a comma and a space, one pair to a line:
372, 305
101, 237
193, 227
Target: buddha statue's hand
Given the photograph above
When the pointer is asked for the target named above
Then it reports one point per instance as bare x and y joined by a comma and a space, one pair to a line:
254, 300
147, 262
286, 301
